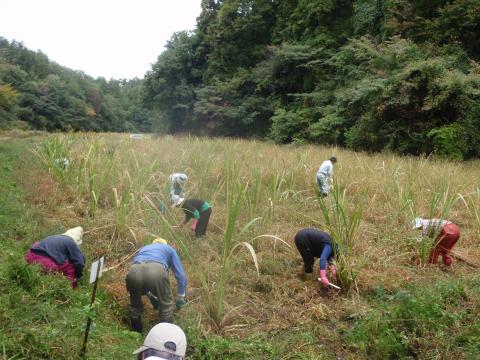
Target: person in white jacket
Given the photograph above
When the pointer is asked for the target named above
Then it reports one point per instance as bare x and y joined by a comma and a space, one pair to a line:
177, 181
324, 174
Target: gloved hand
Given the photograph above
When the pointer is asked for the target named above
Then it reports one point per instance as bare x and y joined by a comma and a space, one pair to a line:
180, 302
194, 224
323, 278
333, 270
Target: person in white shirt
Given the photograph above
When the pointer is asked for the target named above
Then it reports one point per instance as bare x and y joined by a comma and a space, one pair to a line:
177, 182
324, 174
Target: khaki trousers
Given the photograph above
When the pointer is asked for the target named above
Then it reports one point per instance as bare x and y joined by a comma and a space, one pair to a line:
150, 278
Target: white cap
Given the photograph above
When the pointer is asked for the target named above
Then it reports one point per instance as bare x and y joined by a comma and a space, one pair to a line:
165, 337
76, 234
417, 223
177, 200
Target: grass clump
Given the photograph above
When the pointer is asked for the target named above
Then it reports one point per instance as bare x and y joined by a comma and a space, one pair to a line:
411, 322
342, 223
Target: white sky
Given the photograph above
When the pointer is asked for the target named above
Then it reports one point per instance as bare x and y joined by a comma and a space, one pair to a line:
111, 38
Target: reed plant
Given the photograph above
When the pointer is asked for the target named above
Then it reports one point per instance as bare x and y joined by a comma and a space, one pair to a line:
342, 221
261, 191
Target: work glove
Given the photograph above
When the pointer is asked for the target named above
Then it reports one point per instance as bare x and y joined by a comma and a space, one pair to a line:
194, 224
180, 302
323, 278
333, 270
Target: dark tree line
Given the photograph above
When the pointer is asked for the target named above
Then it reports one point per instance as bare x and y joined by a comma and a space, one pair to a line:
36, 93
400, 75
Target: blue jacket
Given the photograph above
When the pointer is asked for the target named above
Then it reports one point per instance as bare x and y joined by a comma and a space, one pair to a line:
166, 255
61, 248
313, 243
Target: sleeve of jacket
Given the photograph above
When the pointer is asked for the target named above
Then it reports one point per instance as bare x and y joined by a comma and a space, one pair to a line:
77, 259
326, 254
177, 269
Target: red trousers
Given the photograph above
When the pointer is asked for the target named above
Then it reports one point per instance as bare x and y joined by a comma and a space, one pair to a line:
48, 265
445, 242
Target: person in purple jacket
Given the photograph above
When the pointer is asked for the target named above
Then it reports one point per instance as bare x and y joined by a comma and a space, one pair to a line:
313, 243
148, 275
60, 253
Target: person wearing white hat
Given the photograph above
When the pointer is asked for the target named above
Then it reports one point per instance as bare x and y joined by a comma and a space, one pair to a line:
446, 236
177, 181
164, 341
60, 253
148, 275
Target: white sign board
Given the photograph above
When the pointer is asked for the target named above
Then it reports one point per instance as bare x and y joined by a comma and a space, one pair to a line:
136, 136
94, 269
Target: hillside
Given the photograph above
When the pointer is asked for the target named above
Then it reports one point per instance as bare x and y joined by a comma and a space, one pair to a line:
398, 306
373, 75
37, 93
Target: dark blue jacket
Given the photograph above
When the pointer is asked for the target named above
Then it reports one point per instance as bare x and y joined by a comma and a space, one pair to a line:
61, 248
313, 243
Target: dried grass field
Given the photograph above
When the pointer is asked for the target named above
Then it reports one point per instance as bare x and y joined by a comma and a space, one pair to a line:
244, 298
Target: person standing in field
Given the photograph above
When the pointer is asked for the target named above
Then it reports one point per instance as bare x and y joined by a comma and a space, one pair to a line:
148, 275
60, 253
199, 210
324, 175
313, 243
177, 182
163, 341
446, 236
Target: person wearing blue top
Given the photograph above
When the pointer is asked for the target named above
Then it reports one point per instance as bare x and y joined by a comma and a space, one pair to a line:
60, 253
148, 275
313, 243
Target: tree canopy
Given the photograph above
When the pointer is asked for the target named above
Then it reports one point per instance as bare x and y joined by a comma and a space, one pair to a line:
372, 75
399, 75
39, 94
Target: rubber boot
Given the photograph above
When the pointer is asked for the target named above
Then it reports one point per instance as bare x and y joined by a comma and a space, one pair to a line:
136, 324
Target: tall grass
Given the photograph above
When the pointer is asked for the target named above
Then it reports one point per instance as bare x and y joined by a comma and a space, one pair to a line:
261, 191
342, 223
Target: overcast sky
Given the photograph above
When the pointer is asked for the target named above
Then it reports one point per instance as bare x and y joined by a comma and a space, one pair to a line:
109, 38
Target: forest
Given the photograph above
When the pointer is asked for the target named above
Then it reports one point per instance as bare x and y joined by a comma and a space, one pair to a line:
37, 93
369, 75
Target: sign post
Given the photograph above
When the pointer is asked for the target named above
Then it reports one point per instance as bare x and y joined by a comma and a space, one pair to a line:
95, 274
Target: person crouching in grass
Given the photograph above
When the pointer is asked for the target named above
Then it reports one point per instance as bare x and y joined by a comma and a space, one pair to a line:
447, 235
60, 253
313, 243
199, 210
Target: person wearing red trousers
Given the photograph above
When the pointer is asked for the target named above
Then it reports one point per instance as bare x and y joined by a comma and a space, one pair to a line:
447, 235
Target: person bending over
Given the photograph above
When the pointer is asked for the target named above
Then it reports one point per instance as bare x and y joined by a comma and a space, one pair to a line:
148, 275
313, 243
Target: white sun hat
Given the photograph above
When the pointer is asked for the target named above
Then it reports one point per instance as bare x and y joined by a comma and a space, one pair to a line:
177, 200
165, 337
76, 234
417, 223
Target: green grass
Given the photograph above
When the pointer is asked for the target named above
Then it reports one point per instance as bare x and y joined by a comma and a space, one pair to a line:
437, 321
41, 317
